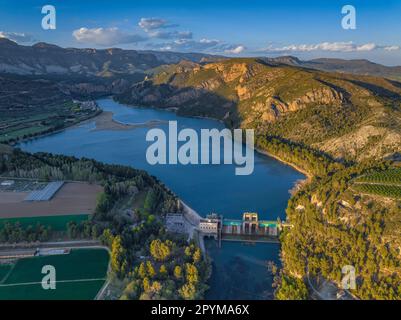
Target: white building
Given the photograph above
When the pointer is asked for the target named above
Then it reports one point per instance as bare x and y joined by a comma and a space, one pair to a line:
7, 183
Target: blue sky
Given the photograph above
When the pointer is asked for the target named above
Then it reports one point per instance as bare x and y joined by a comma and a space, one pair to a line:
307, 29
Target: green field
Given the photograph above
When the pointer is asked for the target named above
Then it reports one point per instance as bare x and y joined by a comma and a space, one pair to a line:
57, 223
386, 183
79, 276
4, 269
23, 132
391, 176
380, 190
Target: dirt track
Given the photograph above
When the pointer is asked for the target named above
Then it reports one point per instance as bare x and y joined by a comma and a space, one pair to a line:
72, 198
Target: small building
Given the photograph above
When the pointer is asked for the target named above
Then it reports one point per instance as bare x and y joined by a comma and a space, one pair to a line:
210, 225
232, 226
269, 228
250, 224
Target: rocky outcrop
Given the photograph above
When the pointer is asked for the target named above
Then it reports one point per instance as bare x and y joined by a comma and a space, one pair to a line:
331, 112
367, 142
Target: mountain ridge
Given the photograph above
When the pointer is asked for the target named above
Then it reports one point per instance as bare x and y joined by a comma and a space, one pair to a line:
353, 66
307, 106
30, 60
44, 58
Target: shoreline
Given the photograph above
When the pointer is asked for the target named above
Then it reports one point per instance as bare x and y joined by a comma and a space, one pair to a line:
170, 109
108, 116
72, 125
105, 121
260, 151
308, 175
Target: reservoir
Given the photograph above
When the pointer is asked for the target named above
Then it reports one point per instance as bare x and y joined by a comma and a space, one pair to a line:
239, 270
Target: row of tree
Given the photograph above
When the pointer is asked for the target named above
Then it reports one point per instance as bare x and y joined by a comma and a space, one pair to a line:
15, 232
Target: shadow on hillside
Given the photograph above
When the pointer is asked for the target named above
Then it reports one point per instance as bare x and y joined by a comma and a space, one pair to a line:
395, 83
186, 101
377, 90
344, 92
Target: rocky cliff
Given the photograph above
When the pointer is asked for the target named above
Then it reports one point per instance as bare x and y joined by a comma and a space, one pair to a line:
345, 115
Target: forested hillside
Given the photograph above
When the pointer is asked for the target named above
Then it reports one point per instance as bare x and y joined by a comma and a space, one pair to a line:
339, 129
335, 226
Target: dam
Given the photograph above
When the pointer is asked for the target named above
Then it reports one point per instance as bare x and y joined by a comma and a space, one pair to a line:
249, 229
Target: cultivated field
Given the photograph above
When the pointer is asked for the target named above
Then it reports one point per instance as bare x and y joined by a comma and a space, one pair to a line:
382, 183
71, 199
79, 276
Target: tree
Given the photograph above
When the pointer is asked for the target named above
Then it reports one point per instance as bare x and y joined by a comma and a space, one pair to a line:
160, 251
192, 273
118, 256
132, 291
103, 203
291, 289
163, 271
150, 269
107, 237
145, 284
178, 272
187, 291
188, 252
155, 287
197, 255
150, 200
142, 270
96, 230
72, 229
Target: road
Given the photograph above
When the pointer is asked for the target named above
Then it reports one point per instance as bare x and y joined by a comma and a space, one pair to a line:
20, 250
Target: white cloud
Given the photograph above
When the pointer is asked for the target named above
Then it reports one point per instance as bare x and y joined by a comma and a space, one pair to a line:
187, 45
148, 24
170, 34
202, 45
331, 46
105, 36
235, 50
391, 48
182, 40
17, 37
154, 28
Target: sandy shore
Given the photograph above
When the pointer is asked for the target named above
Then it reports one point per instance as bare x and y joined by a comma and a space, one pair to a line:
105, 121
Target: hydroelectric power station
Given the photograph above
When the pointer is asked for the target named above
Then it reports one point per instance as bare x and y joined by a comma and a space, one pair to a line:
249, 229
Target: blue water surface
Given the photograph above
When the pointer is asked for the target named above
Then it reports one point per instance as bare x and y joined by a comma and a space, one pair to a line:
206, 188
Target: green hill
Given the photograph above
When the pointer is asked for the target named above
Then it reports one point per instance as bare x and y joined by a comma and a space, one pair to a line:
346, 116
338, 128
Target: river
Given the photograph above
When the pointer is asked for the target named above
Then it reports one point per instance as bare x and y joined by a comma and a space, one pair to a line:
239, 270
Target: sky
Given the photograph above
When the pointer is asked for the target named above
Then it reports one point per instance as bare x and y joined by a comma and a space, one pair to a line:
307, 29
